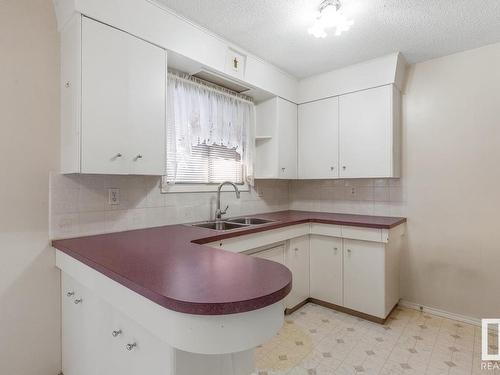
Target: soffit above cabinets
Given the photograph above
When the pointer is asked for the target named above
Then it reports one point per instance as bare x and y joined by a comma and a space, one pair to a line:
277, 30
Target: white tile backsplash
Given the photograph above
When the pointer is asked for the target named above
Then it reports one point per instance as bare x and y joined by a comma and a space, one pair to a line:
380, 197
79, 203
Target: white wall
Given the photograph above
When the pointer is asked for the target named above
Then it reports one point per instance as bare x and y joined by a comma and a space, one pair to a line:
451, 167
29, 125
450, 186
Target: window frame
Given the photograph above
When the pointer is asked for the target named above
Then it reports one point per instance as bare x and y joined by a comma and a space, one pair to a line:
167, 188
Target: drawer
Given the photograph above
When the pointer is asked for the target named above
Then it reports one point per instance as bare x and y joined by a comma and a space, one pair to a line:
363, 234
326, 229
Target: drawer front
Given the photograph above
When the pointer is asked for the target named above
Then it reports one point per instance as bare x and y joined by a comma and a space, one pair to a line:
252, 241
363, 234
326, 229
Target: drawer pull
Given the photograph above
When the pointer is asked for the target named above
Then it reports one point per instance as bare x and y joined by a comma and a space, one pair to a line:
78, 301
130, 347
116, 333
70, 294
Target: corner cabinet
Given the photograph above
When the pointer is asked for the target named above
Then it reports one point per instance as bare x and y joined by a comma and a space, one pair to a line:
276, 139
113, 101
370, 133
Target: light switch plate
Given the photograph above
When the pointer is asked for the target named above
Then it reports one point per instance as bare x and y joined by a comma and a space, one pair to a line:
113, 196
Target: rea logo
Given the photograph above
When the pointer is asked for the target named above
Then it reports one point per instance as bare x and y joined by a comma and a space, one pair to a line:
489, 325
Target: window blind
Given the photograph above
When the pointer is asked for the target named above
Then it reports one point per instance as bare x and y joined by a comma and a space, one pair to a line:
209, 164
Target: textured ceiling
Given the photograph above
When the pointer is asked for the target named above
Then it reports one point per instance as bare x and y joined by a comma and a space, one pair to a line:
276, 30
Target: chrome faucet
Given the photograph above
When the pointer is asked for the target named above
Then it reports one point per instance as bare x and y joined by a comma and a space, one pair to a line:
218, 211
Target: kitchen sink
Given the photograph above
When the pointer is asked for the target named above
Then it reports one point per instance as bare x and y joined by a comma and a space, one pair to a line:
219, 225
249, 221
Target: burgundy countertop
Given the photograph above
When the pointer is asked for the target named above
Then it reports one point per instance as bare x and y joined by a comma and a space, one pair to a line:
170, 266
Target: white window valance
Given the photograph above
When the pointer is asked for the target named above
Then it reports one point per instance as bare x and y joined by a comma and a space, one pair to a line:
200, 114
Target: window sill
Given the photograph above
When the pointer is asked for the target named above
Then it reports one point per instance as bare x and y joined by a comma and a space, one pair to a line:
199, 188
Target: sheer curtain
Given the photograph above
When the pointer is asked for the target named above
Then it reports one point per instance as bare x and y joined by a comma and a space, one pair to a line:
199, 114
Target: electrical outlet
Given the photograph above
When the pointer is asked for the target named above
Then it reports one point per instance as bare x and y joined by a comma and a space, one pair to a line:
113, 196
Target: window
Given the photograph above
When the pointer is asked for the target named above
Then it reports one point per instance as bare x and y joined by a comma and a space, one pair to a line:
209, 134
210, 164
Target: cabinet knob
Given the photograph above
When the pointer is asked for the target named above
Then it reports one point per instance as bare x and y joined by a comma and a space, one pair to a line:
332, 168
67, 84
283, 169
349, 251
344, 167
119, 155
335, 249
116, 333
296, 249
138, 157
70, 294
131, 346
78, 301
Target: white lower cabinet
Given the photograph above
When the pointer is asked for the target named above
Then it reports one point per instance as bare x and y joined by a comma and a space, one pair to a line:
130, 350
276, 254
79, 329
99, 340
297, 260
326, 269
364, 277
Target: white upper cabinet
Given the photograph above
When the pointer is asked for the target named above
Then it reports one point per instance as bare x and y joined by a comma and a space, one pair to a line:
318, 139
369, 133
276, 139
122, 102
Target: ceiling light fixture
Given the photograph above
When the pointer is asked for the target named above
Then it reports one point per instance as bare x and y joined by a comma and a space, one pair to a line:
330, 15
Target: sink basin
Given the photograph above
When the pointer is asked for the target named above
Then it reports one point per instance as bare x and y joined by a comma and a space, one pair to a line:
219, 225
249, 221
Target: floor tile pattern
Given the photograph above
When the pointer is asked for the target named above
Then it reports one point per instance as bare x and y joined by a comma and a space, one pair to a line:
318, 341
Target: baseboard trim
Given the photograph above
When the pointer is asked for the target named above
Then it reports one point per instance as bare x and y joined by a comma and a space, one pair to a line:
441, 313
404, 303
332, 306
295, 308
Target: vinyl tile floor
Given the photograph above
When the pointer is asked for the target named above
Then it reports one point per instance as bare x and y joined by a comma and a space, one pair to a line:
318, 341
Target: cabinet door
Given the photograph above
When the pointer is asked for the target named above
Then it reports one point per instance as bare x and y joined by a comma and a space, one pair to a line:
318, 138
79, 330
366, 133
145, 355
326, 269
276, 254
297, 260
287, 139
105, 99
364, 277
147, 108
123, 102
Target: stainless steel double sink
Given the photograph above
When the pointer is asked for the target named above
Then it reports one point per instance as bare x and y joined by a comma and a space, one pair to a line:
229, 224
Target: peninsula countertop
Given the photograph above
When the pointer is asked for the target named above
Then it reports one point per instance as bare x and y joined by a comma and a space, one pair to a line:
170, 265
